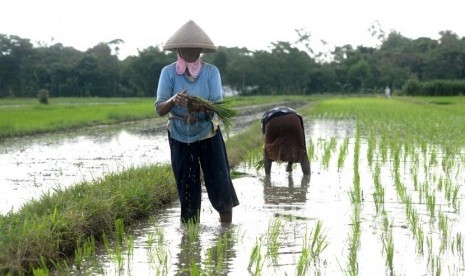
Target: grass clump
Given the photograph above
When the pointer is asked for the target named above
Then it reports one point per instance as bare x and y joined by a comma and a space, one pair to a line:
242, 143
51, 227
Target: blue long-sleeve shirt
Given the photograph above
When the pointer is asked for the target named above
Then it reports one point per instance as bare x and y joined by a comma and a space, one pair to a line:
207, 85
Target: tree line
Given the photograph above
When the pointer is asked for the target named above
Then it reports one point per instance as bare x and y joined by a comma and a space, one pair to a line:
285, 68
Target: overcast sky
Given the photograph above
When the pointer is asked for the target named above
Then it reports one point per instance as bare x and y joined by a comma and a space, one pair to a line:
254, 24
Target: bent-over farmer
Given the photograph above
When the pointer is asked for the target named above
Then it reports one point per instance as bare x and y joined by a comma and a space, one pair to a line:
284, 139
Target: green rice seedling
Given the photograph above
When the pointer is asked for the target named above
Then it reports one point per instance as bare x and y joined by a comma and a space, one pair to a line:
162, 255
329, 148
388, 242
193, 231
43, 269
388, 245
419, 237
378, 195
129, 246
160, 235
106, 243
304, 259
385, 221
431, 203
150, 239
158, 255
383, 148
254, 158
84, 252
318, 242
119, 231
40, 272
221, 252
209, 262
119, 239
356, 193
194, 269
412, 219
343, 149
455, 197
274, 230
79, 257
117, 256
116, 252
256, 260
371, 147
444, 229
433, 158
414, 174
311, 150
440, 183
458, 247
222, 109
216, 256
434, 264
429, 243
354, 242
311, 249
447, 189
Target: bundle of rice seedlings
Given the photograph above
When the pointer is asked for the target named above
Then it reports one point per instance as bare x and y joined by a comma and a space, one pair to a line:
223, 109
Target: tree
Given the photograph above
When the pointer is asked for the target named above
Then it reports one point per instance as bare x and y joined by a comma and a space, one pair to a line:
14, 52
98, 72
140, 74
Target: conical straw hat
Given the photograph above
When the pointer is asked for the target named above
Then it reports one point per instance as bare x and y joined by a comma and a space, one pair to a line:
190, 35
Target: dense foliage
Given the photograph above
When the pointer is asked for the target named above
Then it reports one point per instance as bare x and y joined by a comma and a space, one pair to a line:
284, 68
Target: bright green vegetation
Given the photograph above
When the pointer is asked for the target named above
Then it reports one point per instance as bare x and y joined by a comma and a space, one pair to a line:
28, 116
413, 150
401, 120
405, 157
69, 221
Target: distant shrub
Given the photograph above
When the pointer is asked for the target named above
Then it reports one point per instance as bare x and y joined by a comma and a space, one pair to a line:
435, 88
43, 96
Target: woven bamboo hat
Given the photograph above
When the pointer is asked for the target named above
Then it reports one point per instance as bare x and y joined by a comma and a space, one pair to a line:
190, 35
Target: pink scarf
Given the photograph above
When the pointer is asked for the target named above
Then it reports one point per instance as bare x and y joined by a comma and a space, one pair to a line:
193, 67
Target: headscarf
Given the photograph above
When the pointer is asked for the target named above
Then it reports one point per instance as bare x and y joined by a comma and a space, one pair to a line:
193, 67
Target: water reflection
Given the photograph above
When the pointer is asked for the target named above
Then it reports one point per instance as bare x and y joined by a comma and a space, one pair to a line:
215, 255
279, 192
63, 160
190, 251
34, 165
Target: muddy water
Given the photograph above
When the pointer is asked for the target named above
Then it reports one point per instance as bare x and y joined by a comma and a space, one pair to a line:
289, 201
31, 166
294, 205
35, 165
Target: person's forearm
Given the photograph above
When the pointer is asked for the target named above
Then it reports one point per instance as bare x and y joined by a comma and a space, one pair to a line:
179, 99
165, 107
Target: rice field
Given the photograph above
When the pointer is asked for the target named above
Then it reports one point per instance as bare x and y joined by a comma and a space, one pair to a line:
385, 198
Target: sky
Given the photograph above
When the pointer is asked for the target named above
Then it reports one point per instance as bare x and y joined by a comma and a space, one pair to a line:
254, 24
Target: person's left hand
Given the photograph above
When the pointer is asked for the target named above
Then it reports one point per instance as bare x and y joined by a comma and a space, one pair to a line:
181, 98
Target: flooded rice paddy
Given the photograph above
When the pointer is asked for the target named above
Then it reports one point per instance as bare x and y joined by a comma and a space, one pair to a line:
365, 209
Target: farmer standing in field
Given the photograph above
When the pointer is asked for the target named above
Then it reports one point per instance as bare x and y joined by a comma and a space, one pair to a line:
195, 139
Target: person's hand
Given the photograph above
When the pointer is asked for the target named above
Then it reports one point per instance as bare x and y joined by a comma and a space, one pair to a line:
180, 98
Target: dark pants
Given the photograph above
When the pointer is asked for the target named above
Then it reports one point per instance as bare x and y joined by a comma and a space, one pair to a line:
210, 156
